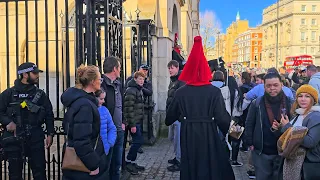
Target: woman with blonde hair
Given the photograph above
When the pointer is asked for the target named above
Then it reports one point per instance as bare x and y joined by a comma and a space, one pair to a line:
82, 126
304, 163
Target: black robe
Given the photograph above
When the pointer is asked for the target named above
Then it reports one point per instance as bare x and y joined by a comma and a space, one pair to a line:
203, 157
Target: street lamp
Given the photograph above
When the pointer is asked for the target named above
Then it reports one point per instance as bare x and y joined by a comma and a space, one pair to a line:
306, 45
277, 48
218, 43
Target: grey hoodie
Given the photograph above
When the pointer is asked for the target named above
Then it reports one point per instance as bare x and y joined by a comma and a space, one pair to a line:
312, 140
315, 82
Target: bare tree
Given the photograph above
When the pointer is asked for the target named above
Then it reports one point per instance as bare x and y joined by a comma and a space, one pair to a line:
209, 28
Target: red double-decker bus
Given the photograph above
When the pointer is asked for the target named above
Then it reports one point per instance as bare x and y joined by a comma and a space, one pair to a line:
297, 61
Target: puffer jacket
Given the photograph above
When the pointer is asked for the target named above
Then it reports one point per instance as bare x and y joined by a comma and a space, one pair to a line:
133, 104
174, 85
108, 130
82, 124
312, 140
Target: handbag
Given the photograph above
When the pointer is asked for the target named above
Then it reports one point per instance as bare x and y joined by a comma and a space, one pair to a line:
235, 130
70, 159
290, 141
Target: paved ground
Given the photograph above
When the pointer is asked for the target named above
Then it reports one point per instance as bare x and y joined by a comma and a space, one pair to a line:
155, 160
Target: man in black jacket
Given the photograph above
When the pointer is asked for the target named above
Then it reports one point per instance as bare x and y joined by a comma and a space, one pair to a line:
174, 130
23, 109
259, 134
113, 102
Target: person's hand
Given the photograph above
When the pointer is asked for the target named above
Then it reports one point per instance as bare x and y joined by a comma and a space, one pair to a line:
123, 127
284, 120
251, 148
95, 172
245, 95
133, 130
276, 125
11, 127
49, 141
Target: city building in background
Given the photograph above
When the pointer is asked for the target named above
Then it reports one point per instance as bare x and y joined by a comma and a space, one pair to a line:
298, 32
247, 48
236, 28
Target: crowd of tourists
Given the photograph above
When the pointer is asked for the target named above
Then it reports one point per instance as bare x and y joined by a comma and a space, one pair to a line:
212, 114
273, 116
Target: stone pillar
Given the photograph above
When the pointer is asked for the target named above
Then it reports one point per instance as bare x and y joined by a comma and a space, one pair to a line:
160, 81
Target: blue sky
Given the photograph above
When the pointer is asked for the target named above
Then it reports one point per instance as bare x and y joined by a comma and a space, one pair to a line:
226, 10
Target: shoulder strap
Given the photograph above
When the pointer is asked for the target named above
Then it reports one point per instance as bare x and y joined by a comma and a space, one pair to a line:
38, 95
295, 120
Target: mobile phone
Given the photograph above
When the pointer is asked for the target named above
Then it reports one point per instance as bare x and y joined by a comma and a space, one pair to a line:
284, 111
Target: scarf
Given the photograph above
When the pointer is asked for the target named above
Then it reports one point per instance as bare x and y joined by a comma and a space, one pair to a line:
268, 100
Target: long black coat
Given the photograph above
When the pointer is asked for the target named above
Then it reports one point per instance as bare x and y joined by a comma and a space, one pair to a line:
202, 153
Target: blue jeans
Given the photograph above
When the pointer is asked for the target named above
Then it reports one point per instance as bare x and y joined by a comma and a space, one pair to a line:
174, 136
116, 159
137, 140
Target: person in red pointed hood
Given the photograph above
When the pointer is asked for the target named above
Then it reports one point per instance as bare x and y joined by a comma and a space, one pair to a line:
196, 71
200, 108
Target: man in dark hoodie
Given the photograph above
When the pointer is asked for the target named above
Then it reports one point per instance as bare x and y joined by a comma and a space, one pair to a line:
259, 134
23, 109
174, 129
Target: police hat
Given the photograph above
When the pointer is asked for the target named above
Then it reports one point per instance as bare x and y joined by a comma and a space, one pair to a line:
144, 67
28, 67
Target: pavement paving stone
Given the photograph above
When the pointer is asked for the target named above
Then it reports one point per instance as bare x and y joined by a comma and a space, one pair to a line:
155, 159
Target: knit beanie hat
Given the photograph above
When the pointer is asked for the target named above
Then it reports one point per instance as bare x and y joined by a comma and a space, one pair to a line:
308, 89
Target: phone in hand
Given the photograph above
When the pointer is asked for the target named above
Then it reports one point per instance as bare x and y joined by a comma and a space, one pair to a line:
284, 111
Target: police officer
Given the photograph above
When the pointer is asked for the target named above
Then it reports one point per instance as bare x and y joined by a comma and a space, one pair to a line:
24, 108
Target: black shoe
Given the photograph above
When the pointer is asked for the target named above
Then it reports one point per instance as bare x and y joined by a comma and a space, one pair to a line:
236, 164
174, 168
140, 150
251, 174
173, 161
131, 168
139, 168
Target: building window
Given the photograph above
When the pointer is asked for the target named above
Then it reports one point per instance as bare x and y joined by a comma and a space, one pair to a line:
314, 22
303, 8
256, 50
303, 21
303, 36
313, 50
256, 36
314, 8
313, 35
302, 49
256, 43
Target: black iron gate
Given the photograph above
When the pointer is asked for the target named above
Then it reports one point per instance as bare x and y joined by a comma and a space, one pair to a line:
57, 35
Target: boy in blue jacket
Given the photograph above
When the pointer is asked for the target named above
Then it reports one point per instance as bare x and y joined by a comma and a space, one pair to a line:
108, 131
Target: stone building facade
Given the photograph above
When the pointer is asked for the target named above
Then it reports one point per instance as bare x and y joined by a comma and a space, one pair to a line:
299, 30
247, 48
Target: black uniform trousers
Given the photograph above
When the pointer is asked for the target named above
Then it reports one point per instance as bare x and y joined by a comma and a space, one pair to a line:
36, 160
